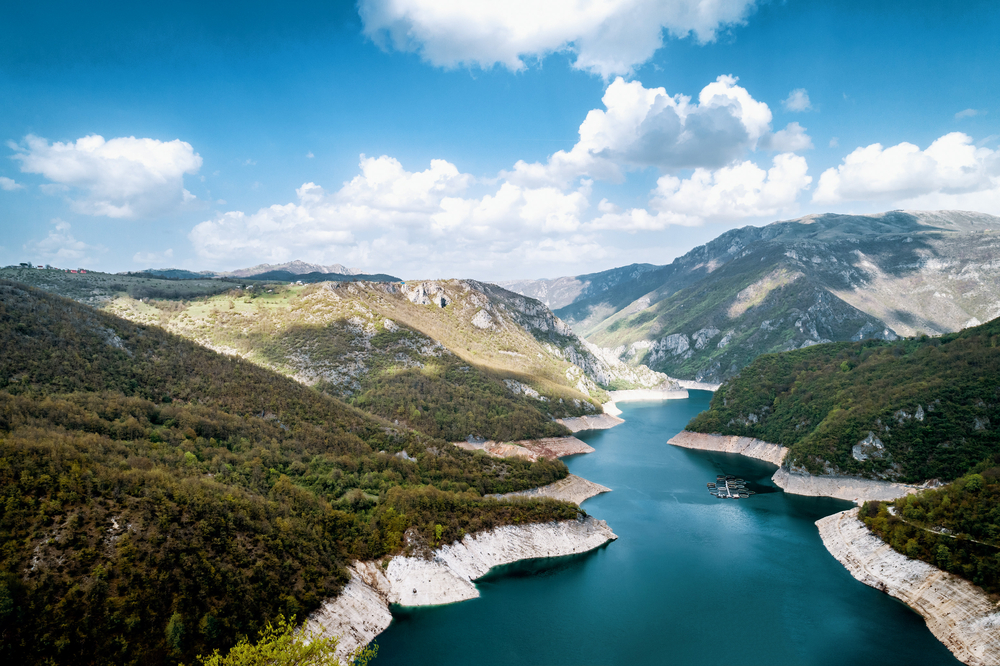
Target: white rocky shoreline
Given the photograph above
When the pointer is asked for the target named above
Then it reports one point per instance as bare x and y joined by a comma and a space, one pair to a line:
361, 611
958, 613
851, 488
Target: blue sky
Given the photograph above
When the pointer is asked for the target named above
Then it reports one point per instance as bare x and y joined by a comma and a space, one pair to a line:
487, 140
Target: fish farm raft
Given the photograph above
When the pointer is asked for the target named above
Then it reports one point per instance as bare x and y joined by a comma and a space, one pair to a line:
729, 487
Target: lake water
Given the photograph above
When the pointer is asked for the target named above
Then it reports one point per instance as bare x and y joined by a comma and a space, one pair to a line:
690, 580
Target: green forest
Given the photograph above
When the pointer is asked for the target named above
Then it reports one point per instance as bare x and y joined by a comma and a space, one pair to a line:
909, 410
955, 528
160, 500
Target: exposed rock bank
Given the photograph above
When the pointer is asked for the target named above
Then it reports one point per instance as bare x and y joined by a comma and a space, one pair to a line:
698, 386
747, 446
361, 611
598, 422
850, 488
530, 449
644, 395
958, 613
571, 489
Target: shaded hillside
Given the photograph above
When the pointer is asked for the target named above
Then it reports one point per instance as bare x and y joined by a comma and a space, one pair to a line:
159, 499
956, 528
909, 410
487, 362
847, 276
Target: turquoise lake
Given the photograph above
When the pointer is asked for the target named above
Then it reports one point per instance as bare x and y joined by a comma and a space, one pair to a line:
690, 580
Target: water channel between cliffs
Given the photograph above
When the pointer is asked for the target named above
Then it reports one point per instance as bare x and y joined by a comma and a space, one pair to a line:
691, 579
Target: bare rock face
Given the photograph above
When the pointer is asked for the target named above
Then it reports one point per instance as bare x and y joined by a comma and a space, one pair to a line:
597, 422
747, 446
361, 612
958, 613
573, 489
850, 488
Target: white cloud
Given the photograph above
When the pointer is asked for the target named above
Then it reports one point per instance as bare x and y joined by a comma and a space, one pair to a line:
9, 184
798, 101
122, 178
834, 142
642, 127
150, 258
61, 249
789, 140
310, 155
731, 193
968, 113
433, 205
608, 37
951, 165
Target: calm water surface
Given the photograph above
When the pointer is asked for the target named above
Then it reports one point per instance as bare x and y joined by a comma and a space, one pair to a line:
691, 579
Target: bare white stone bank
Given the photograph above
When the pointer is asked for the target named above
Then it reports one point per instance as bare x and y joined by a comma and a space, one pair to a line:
850, 488
958, 613
747, 446
361, 611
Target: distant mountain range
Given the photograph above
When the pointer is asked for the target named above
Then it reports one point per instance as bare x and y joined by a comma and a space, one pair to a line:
789, 285
286, 272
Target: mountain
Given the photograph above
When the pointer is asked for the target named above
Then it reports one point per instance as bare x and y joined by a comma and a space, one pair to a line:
450, 358
564, 291
288, 276
161, 500
296, 267
908, 410
797, 283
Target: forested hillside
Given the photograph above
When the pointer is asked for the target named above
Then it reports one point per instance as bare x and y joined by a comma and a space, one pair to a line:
159, 499
450, 358
910, 410
955, 528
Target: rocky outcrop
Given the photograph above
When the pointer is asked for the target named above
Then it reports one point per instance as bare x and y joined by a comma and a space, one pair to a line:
698, 386
643, 395
747, 446
958, 613
850, 488
361, 611
573, 489
596, 422
530, 449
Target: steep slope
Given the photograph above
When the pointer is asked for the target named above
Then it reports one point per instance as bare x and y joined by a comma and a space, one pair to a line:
565, 291
160, 499
790, 284
910, 410
450, 358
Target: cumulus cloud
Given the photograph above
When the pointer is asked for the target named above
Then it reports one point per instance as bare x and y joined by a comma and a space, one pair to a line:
730, 193
641, 127
951, 165
60, 248
798, 101
123, 177
434, 205
607, 38
9, 184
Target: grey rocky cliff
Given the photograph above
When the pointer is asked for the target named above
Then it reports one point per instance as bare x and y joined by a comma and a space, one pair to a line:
361, 611
958, 613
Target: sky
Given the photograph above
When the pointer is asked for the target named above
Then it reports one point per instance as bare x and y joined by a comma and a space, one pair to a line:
489, 140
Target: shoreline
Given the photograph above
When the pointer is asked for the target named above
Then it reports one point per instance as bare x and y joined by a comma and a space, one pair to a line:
958, 613
850, 488
573, 488
361, 611
646, 395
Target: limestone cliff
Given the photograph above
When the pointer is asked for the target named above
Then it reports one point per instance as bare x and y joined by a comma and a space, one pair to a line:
747, 446
842, 487
958, 613
361, 611
850, 488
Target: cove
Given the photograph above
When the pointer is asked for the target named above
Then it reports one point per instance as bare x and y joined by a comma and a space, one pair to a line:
691, 579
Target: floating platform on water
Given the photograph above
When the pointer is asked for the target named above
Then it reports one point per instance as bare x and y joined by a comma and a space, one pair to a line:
729, 487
